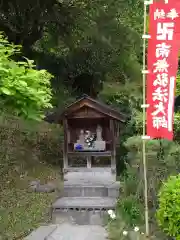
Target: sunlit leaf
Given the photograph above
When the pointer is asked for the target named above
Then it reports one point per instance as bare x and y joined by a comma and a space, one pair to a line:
25, 91
6, 91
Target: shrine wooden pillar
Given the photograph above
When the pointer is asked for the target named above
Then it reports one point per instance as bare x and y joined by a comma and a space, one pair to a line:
65, 148
113, 146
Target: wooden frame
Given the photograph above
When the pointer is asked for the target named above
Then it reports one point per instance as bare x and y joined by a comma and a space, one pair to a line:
113, 150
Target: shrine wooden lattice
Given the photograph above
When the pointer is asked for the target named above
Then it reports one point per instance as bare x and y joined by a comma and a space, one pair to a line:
91, 130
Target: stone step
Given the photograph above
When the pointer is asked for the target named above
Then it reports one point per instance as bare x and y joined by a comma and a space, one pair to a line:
81, 217
42, 232
84, 203
82, 210
91, 190
74, 232
92, 169
68, 232
98, 176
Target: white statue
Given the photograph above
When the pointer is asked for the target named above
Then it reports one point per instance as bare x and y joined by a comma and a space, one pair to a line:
99, 133
81, 137
100, 145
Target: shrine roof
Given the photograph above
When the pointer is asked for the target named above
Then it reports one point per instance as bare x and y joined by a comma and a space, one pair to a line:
85, 101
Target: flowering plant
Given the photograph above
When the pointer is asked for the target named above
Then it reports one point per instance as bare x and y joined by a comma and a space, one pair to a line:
136, 234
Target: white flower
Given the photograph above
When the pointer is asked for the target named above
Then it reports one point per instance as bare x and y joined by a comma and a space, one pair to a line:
136, 229
125, 233
110, 212
113, 216
142, 233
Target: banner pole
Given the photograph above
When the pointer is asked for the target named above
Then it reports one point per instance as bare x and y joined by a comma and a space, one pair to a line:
144, 127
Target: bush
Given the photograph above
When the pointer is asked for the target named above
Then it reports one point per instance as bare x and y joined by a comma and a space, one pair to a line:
168, 214
24, 90
130, 210
162, 162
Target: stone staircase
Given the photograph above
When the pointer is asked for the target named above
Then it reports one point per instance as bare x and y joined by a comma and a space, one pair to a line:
87, 196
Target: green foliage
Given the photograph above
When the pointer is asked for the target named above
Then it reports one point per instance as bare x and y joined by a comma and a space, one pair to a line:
103, 43
82, 43
28, 150
168, 214
24, 90
130, 210
138, 122
162, 161
38, 140
177, 126
21, 211
130, 202
178, 84
162, 157
125, 98
122, 96
25, 22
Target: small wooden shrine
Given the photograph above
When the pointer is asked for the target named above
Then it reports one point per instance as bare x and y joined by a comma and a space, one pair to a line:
91, 129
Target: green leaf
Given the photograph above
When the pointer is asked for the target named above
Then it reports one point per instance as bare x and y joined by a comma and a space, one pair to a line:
168, 214
23, 83
3, 69
6, 91
24, 90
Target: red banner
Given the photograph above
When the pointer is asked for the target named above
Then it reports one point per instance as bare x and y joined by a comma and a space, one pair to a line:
162, 65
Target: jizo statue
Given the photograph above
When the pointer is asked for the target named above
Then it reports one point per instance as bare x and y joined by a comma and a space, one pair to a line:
99, 133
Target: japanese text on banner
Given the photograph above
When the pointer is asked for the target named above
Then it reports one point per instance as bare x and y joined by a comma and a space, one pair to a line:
162, 63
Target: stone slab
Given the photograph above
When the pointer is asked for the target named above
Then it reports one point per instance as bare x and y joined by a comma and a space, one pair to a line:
100, 176
41, 232
74, 232
91, 183
81, 217
93, 169
85, 202
68, 232
84, 190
